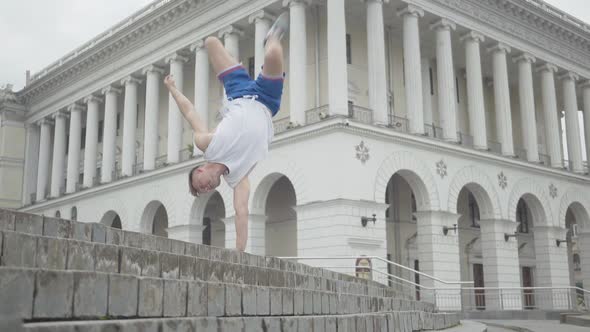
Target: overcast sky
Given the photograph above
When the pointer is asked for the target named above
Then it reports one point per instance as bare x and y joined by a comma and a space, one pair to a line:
35, 33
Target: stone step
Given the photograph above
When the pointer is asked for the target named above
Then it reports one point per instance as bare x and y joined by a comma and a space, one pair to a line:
99, 233
398, 321
579, 320
43, 252
40, 294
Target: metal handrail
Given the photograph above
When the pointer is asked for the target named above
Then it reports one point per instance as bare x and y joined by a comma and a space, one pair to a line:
385, 261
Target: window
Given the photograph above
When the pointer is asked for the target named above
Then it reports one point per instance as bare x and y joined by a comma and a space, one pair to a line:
74, 213
414, 208
350, 109
473, 211
576, 261
457, 88
251, 66
57, 214
348, 50
118, 122
431, 81
522, 216
83, 137
100, 129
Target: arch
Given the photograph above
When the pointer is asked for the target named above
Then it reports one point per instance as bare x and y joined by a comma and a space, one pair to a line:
57, 214
147, 221
281, 219
282, 165
110, 218
482, 189
113, 205
74, 214
415, 173
163, 195
535, 197
580, 205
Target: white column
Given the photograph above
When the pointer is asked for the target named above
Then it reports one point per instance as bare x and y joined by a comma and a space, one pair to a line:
475, 99
552, 266
262, 21
412, 67
376, 61
74, 148
447, 94
109, 143
502, 98
59, 154
337, 66
552, 139
91, 144
574, 147
586, 95
439, 257
201, 83
152, 114
231, 40
129, 125
500, 264
31, 163
43, 169
297, 61
175, 119
527, 105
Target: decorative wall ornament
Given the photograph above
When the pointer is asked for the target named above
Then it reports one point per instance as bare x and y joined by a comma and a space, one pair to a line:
552, 191
362, 152
441, 168
502, 180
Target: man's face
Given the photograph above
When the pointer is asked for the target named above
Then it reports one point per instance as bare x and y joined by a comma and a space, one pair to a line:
204, 180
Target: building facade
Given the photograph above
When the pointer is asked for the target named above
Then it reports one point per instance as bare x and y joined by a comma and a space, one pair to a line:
439, 117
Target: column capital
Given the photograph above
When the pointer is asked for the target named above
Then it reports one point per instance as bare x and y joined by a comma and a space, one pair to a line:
75, 107
59, 114
131, 80
524, 56
499, 47
443, 24
546, 67
229, 30
111, 89
197, 46
261, 15
410, 10
569, 76
152, 69
93, 98
175, 57
290, 3
473, 36
45, 121
585, 84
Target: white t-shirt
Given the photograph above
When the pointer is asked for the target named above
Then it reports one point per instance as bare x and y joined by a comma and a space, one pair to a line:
241, 139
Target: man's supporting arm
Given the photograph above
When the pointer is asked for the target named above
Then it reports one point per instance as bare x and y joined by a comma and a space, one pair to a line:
241, 197
202, 135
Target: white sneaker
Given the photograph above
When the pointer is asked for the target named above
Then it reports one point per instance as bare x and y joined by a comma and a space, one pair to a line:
278, 28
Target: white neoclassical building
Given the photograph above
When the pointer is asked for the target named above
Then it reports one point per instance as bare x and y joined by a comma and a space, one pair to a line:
439, 117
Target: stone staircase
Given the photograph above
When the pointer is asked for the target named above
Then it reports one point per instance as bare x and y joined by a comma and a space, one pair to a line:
60, 275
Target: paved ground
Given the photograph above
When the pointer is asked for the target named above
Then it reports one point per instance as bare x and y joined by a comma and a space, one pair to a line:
469, 326
534, 326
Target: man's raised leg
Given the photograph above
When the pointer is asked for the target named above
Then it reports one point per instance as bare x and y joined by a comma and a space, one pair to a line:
273, 59
219, 57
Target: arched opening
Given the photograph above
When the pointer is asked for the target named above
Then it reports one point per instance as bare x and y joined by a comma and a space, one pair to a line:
74, 214
401, 227
111, 219
213, 226
470, 251
281, 219
57, 214
576, 218
154, 219
525, 219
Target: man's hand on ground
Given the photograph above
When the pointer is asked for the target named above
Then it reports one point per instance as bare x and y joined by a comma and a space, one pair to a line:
169, 81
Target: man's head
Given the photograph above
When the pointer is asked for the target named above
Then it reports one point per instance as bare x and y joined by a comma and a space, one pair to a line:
203, 179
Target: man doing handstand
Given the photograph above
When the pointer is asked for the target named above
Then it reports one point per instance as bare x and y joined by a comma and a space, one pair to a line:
242, 137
